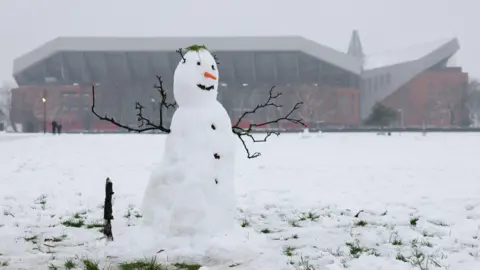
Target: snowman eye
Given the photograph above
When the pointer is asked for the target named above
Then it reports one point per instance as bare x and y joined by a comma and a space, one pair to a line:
213, 67
198, 63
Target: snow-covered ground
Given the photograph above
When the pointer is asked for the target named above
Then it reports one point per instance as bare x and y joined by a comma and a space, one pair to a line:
360, 201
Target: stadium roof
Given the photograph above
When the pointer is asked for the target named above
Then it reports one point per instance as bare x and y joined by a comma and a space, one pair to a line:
123, 44
355, 63
409, 54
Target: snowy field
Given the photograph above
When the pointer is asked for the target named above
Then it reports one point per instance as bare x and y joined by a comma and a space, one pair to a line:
334, 201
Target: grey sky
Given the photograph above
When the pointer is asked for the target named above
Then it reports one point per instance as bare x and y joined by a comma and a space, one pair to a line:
383, 24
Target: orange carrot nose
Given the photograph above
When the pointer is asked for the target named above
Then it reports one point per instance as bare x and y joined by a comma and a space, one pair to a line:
209, 75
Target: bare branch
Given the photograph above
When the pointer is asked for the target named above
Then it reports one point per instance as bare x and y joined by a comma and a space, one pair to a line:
144, 124
270, 102
180, 51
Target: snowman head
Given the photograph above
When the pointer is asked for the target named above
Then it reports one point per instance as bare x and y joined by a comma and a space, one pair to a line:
195, 82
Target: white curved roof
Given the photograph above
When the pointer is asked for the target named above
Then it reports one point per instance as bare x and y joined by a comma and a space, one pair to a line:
408, 54
284, 43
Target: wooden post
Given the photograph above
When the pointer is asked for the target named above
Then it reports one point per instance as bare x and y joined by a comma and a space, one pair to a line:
108, 210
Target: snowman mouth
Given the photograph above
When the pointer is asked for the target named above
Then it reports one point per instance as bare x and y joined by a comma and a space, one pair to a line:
205, 88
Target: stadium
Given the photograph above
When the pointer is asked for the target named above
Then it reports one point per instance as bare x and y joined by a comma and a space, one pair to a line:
338, 89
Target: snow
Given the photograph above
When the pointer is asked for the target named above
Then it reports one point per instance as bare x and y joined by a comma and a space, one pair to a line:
404, 55
303, 193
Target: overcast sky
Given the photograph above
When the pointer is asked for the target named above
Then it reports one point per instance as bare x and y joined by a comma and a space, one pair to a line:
383, 24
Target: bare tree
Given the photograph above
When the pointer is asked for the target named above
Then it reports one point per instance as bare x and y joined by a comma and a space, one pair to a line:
6, 104
443, 106
316, 109
306, 94
473, 100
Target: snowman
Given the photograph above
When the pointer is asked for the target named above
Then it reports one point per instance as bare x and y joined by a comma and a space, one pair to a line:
192, 192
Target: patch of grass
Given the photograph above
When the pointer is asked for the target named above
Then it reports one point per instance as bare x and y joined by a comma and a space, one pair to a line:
295, 236
427, 234
56, 239
76, 223
414, 243
266, 230
150, 264
79, 215
234, 265
426, 244
7, 212
312, 216
420, 260
413, 221
52, 267
356, 250
4, 263
245, 223
131, 212
303, 264
474, 254
42, 200
32, 239
400, 257
336, 253
69, 264
94, 225
438, 223
288, 251
397, 242
90, 265
185, 266
360, 223
294, 223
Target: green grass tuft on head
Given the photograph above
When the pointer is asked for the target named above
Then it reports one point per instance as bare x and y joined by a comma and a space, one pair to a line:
196, 48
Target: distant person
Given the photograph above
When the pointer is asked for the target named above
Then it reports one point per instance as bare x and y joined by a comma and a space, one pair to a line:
59, 129
54, 127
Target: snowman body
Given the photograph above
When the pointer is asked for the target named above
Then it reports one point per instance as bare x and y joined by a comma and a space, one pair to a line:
192, 192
